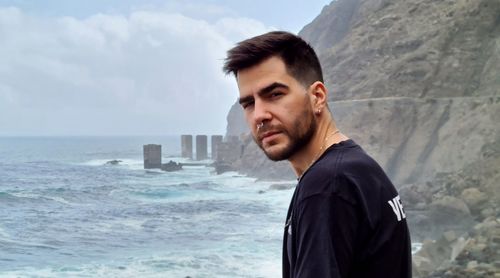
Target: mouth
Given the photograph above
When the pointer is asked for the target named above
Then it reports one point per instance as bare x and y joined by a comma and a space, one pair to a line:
268, 136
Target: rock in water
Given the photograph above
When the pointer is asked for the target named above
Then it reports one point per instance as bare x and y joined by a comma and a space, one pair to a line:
171, 166
113, 162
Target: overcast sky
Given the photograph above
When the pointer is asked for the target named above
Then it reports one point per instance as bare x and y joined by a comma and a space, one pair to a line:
127, 67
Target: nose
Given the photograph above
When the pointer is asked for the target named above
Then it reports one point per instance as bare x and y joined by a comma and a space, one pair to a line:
261, 113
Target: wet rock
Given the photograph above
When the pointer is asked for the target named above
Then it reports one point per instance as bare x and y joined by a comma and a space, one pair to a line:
475, 255
450, 236
451, 204
171, 166
474, 198
471, 265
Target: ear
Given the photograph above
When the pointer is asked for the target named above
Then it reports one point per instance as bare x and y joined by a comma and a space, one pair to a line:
319, 96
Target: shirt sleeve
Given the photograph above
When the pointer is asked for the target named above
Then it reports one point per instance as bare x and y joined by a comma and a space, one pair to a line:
325, 236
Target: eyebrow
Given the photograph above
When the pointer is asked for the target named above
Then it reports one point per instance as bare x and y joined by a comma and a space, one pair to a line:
263, 91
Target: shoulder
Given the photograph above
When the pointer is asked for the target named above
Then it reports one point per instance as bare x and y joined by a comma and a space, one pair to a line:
347, 171
360, 169
346, 159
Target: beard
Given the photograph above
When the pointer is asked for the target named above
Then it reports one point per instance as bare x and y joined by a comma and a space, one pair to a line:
299, 135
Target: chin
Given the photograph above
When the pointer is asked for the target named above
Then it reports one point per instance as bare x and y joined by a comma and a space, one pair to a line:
277, 153
277, 150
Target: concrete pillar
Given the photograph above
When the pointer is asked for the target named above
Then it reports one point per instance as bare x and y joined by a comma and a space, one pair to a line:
187, 146
201, 147
152, 156
215, 141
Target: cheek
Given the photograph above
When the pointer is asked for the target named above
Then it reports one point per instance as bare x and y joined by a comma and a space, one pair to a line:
287, 116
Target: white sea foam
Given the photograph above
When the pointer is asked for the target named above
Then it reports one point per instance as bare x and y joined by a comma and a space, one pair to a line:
59, 200
30, 195
111, 226
415, 247
24, 243
3, 233
171, 265
135, 164
96, 162
27, 195
122, 162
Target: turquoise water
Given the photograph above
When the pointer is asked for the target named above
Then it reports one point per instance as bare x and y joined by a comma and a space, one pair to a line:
65, 213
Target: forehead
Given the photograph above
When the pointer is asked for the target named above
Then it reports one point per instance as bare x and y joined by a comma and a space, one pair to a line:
251, 80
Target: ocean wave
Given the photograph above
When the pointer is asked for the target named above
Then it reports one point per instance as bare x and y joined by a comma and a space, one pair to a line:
111, 226
17, 196
156, 194
122, 162
58, 199
3, 234
13, 242
415, 247
135, 164
36, 197
221, 265
5, 195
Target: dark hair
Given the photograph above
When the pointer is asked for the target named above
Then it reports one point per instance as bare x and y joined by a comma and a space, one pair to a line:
299, 57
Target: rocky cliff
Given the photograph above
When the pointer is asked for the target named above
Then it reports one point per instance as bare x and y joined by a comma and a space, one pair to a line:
417, 83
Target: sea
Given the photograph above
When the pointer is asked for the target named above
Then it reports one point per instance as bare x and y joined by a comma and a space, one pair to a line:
66, 212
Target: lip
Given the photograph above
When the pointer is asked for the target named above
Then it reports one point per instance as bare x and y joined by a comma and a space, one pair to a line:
268, 135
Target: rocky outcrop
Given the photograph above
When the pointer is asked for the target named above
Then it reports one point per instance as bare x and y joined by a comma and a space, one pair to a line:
457, 216
332, 25
171, 166
419, 48
415, 138
236, 125
113, 162
416, 83
462, 256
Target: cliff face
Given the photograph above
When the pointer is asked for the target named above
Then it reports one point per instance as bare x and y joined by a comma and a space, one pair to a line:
415, 138
416, 83
236, 124
419, 48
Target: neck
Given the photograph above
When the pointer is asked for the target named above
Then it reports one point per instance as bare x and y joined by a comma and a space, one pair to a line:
326, 135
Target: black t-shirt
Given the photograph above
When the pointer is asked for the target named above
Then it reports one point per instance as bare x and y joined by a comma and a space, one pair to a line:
346, 220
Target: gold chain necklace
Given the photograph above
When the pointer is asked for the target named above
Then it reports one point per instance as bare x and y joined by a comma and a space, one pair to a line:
319, 152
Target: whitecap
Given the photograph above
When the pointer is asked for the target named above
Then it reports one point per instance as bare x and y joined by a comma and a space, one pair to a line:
3, 233
122, 162
415, 247
30, 195
58, 199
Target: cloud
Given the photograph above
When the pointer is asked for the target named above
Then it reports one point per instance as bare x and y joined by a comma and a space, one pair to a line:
147, 72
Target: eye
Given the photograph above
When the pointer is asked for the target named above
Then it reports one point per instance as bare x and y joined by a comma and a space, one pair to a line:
247, 104
276, 94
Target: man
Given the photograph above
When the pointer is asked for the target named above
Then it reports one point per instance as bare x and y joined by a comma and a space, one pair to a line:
345, 218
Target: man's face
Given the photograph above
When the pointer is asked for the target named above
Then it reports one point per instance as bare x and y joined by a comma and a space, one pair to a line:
276, 101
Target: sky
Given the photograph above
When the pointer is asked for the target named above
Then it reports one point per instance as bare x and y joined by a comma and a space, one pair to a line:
127, 67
